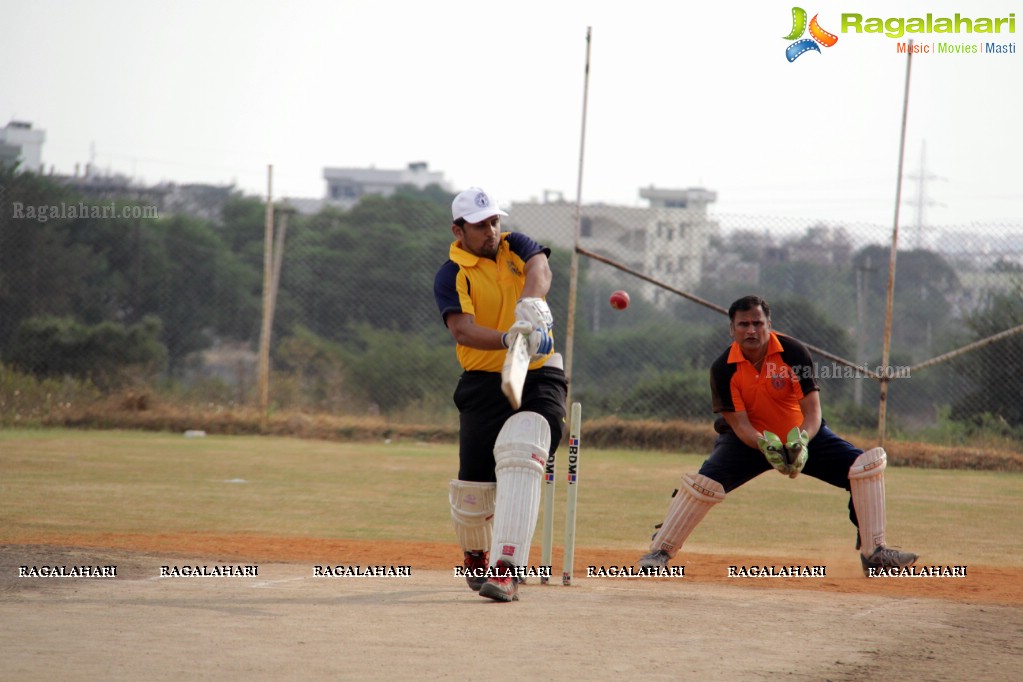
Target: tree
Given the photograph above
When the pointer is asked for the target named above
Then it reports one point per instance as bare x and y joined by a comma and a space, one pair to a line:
392, 370
196, 286
797, 316
993, 369
373, 264
122, 270
820, 244
627, 369
107, 353
42, 270
925, 283
243, 229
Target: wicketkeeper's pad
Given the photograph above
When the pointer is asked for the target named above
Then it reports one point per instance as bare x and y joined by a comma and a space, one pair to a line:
866, 481
520, 453
688, 507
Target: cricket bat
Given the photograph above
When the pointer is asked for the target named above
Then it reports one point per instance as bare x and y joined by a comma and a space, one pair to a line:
513, 374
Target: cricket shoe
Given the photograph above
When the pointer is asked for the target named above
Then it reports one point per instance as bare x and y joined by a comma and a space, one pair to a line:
475, 569
503, 586
656, 559
886, 558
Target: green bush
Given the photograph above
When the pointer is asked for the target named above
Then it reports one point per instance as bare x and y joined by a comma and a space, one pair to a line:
671, 395
977, 430
107, 354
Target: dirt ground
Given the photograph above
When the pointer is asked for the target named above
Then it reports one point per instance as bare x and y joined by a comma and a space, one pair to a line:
286, 623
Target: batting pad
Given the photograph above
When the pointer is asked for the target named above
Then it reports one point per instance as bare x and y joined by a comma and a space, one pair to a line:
690, 504
472, 511
866, 480
520, 453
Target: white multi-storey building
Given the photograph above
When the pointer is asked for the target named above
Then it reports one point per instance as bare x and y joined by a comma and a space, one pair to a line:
665, 241
346, 185
19, 143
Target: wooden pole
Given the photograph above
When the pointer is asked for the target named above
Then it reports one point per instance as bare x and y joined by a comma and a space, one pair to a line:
275, 275
889, 305
573, 280
264, 336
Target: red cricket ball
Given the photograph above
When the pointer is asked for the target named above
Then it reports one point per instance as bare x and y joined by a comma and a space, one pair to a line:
620, 300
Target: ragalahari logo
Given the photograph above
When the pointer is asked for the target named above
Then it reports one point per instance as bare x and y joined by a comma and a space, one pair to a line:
817, 35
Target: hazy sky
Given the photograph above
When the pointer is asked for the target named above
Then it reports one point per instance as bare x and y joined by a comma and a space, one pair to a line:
681, 94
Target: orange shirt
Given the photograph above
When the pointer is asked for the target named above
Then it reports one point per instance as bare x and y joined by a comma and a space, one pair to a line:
769, 397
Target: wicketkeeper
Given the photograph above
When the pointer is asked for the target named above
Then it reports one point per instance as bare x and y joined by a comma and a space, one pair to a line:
491, 288
764, 388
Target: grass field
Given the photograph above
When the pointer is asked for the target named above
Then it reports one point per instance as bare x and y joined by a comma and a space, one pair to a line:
82, 482
142, 501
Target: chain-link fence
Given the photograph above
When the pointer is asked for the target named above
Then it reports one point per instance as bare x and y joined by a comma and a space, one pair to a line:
173, 304
827, 283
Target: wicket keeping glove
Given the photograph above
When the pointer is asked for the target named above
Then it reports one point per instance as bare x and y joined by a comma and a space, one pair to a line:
536, 312
774, 451
797, 447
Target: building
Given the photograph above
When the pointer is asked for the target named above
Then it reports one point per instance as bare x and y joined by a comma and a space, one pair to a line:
167, 198
665, 241
20, 144
345, 186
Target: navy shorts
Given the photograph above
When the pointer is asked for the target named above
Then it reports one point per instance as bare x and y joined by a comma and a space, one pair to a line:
483, 410
733, 463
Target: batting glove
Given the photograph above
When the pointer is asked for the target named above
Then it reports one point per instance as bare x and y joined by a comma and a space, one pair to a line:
774, 451
536, 312
797, 448
520, 327
539, 342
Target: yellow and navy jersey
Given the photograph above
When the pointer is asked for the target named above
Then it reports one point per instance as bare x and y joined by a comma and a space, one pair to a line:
486, 289
769, 397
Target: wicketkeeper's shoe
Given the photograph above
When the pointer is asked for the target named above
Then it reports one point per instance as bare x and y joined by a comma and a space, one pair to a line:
886, 558
502, 585
656, 559
475, 569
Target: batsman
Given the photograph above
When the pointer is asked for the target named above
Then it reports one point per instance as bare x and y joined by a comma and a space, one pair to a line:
491, 289
765, 392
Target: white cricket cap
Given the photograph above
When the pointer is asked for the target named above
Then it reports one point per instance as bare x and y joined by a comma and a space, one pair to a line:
474, 205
